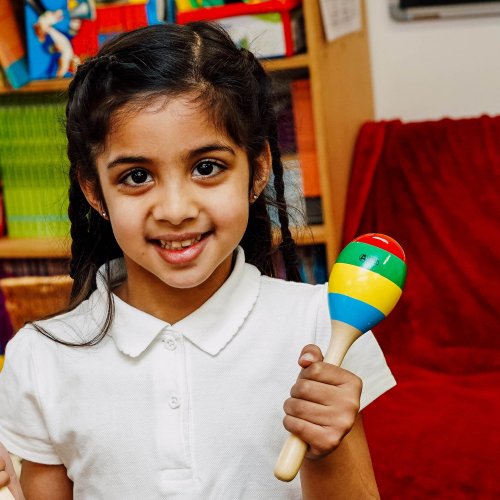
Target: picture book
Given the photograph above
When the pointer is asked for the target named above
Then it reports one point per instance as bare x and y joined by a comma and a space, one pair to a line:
12, 50
62, 33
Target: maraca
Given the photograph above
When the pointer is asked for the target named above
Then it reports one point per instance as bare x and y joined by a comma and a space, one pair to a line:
365, 284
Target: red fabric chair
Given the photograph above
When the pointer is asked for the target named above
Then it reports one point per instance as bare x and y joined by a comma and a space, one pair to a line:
433, 186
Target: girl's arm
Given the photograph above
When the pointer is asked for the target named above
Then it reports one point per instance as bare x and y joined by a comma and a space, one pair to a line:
345, 473
323, 411
45, 482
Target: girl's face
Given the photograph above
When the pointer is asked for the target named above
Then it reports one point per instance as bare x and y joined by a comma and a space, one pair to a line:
176, 191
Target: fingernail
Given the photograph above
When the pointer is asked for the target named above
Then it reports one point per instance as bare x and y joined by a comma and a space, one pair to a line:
307, 357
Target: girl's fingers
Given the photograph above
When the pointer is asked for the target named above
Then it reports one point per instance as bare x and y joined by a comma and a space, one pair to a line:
328, 374
310, 354
4, 479
327, 385
321, 440
318, 414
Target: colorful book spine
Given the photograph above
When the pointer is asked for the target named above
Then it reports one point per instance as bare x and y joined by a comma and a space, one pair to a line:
312, 264
33, 166
305, 137
3, 225
12, 51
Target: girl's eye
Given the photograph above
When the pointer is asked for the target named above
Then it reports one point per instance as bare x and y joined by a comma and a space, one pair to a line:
207, 168
137, 177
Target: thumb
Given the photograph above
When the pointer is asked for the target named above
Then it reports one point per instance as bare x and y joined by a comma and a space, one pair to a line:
310, 354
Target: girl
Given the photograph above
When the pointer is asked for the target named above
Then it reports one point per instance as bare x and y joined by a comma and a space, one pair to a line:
186, 340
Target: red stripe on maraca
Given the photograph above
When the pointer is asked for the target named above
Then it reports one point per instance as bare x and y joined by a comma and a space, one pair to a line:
383, 241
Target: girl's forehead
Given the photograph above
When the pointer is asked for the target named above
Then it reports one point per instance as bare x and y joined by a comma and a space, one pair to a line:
150, 104
172, 125
186, 106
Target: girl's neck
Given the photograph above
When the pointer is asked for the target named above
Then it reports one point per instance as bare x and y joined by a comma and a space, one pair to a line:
153, 296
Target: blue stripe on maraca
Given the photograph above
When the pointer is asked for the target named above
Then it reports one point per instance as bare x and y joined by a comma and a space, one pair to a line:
354, 312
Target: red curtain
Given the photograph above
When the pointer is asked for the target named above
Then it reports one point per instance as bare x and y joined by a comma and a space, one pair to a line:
433, 186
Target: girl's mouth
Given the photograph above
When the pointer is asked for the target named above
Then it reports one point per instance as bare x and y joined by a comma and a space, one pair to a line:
180, 244
182, 251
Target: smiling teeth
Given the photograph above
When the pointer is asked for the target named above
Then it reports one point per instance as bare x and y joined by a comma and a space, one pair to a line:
177, 245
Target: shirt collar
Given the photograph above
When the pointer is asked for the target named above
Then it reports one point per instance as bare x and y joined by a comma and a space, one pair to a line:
211, 327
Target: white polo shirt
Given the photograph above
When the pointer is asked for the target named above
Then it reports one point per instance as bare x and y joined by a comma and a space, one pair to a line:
185, 411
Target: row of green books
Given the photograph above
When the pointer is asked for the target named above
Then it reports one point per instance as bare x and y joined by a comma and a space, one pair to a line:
33, 165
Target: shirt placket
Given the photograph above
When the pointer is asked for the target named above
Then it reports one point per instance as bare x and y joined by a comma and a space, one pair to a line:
172, 426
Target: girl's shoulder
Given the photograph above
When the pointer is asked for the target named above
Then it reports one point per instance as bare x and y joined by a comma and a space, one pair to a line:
291, 287
276, 290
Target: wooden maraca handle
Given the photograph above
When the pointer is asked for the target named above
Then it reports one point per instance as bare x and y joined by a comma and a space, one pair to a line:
5, 494
293, 452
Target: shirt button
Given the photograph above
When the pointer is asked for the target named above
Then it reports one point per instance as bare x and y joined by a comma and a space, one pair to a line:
169, 343
174, 401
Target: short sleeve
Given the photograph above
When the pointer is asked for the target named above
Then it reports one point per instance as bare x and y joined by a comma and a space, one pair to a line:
22, 427
364, 358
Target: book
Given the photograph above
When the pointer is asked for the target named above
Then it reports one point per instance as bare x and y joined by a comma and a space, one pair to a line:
61, 34
50, 27
312, 264
305, 137
32, 166
12, 50
3, 225
113, 18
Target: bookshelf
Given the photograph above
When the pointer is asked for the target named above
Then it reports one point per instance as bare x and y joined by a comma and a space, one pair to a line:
32, 248
341, 90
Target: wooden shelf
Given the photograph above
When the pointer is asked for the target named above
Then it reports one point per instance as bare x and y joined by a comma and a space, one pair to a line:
305, 235
59, 248
309, 235
299, 61
34, 248
53, 85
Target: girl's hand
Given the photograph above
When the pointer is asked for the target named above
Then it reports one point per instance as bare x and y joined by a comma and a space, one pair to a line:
324, 403
4, 475
8, 476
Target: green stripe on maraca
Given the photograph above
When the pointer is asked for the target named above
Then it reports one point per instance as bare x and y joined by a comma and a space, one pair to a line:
375, 259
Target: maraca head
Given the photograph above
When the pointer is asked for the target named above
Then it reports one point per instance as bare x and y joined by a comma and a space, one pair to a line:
366, 281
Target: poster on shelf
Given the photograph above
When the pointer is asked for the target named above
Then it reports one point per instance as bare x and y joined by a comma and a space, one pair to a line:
340, 17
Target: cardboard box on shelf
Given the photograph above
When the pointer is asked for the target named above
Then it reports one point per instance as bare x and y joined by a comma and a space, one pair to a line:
269, 28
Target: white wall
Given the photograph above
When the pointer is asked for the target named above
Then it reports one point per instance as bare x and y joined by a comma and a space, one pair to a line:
430, 69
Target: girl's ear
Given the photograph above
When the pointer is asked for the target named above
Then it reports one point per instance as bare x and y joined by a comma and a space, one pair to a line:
263, 166
90, 191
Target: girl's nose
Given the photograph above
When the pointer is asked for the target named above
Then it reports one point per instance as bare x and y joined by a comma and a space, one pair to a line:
175, 205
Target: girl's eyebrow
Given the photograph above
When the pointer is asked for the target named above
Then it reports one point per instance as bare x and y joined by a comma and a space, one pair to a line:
121, 160
209, 148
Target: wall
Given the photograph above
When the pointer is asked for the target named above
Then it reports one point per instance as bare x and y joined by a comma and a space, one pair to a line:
431, 69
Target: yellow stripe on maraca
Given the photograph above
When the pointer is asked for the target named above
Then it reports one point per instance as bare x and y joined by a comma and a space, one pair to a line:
364, 285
